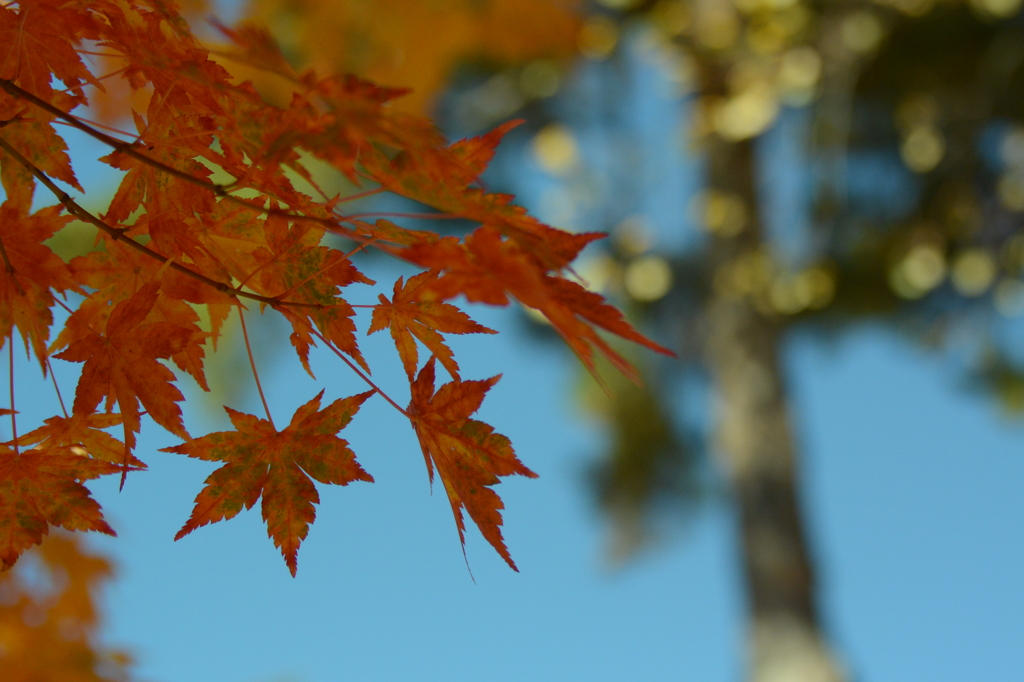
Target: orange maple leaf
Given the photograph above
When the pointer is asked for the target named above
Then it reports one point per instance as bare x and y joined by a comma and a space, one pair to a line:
81, 435
117, 273
32, 134
444, 177
409, 314
277, 465
488, 268
42, 488
122, 365
295, 267
37, 47
30, 274
468, 454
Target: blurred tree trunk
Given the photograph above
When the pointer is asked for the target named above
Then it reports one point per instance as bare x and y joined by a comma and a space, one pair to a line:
755, 442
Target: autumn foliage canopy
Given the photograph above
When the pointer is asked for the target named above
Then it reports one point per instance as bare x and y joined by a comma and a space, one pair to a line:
208, 223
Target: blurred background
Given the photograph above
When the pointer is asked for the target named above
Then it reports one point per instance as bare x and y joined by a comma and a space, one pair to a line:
818, 205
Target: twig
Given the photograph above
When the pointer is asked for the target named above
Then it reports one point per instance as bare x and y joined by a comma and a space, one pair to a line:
332, 224
118, 234
10, 366
56, 388
358, 371
252, 363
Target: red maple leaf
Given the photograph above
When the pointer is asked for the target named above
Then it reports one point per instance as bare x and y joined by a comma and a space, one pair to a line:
409, 314
468, 454
30, 273
277, 465
488, 268
42, 488
122, 366
81, 435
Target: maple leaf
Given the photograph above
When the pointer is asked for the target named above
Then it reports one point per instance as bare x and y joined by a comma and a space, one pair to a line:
117, 273
39, 489
295, 268
487, 268
277, 465
468, 454
31, 274
207, 214
443, 177
122, 365
168, 200
37, 47
409, 315
81, 435
32, 135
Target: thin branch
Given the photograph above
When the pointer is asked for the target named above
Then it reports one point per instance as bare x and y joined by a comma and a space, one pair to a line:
10, 367
99, 54
118, 234
98, 125
56, 388
358, 371
125, 148
252, 363
222, 191
362, 195
420, 216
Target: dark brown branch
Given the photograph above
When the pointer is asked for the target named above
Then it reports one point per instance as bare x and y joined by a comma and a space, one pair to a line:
129, 149
118, 234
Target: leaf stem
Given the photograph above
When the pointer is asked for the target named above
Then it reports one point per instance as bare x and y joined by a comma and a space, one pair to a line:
363, 195
56, 388
360, 373
420, 216
252, 363
10, 367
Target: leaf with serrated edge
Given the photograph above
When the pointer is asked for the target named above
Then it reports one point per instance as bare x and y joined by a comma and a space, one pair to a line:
408, 314
261, 461
39, 489
468, 454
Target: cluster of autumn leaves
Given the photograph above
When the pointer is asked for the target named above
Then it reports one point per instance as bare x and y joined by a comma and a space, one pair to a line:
49, 618
174, 241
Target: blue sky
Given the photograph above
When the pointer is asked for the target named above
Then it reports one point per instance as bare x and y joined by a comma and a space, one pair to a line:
912, 490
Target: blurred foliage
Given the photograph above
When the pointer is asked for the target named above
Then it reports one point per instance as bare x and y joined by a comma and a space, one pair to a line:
48, 617
912, 158
417, 45
648, 468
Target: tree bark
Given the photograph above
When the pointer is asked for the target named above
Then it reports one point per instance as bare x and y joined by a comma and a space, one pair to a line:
755, 442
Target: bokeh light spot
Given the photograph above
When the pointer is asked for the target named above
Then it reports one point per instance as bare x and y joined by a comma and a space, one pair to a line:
648, 278
1011, 190
632, 236
555, 149
973, 271
920, 271
923, 148
598, 38
721, 213
747, 114
540, 78
861, 32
